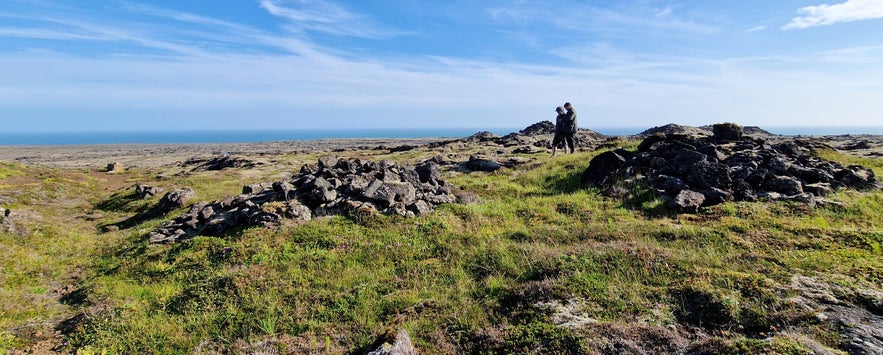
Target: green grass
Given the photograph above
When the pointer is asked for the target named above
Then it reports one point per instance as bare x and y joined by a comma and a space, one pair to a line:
467, 278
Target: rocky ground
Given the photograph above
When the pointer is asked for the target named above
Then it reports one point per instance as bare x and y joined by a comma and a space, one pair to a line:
155, 155
330, 185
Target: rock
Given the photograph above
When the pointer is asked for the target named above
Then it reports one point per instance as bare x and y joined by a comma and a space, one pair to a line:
402, 148
603, 169
428, 172
688, 200
219, 163
539, 128
483, 136
146, 191
786, 185
672, 128
394, 344
327, 162
479, 164
523, 150
115, 167
727, 132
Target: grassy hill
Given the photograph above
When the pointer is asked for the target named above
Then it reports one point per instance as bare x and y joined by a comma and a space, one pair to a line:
541, 265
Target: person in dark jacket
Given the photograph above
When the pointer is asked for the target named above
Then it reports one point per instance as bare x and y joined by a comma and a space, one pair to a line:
569, 127
559, 130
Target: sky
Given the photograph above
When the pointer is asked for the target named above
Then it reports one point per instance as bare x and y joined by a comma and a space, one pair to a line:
111, 65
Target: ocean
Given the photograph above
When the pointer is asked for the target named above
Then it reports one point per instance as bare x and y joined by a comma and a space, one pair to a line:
251, 136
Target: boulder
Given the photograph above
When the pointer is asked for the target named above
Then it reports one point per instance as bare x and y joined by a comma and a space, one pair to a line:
398, 343
603, 169
115, 167
146, 191
479, 164
688, 201
727, 132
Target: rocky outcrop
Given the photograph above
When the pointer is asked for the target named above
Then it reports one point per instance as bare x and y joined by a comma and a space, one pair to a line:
691, 171
672, 128
333, 186
536, 135
543, 127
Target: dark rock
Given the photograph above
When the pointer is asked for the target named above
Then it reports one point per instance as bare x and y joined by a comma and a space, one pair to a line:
858, 177
784, 184
715, 196
864, 144
219, 163
688, 201
818, 189
726, 132
115, 167
603, 169
483, 136
539, 128
428, 172
146, 191
705, 174
255, 188
479, 164
402, 148
524, 150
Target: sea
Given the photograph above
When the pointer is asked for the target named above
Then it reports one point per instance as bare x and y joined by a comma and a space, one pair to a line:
253, 136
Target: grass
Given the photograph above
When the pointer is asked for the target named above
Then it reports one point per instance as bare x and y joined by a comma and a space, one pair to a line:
467, 278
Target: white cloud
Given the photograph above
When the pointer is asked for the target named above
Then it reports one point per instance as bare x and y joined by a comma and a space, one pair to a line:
322, 16
851, 10
757, 28
664, 12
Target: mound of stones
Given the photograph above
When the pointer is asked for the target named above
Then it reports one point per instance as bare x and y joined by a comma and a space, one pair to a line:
694, 171
536, 135
333, 186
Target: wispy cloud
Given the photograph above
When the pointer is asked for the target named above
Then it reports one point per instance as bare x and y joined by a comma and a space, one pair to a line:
326, 17
756, 28
851, 10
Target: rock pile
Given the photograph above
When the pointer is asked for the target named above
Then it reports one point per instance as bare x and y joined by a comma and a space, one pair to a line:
536, 135
691, 171
333, 186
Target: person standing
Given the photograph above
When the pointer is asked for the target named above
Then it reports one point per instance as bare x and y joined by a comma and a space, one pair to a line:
569, 127
559, 130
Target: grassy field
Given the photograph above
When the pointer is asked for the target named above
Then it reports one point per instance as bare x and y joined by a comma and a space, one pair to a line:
542, 265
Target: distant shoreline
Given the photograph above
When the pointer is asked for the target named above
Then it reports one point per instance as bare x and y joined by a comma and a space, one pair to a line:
269, 136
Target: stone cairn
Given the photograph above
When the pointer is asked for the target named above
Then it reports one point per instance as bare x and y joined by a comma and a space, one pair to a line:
689, 172
333, 186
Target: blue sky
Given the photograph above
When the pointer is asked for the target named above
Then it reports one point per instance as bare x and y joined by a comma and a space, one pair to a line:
85, 65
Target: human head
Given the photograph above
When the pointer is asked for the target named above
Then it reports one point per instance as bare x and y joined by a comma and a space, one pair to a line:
559, 109
568, 106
